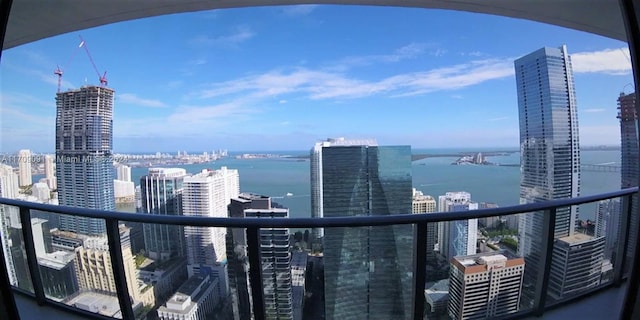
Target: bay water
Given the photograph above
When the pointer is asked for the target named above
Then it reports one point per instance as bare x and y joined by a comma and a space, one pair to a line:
277, 177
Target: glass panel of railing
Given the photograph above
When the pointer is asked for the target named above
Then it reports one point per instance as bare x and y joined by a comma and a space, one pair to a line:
364, 272
578, 263
75, 265
13, 247
185, 270
485, 277
633, 207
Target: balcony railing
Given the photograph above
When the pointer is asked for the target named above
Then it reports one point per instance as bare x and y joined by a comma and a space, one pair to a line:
253, 225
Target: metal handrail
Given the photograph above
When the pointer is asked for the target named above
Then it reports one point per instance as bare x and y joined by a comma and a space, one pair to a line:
253, 225
355, 221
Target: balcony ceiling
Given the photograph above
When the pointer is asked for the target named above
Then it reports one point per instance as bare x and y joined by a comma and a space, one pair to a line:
32, 20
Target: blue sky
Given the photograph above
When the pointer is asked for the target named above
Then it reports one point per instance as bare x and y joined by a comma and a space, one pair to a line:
281, 78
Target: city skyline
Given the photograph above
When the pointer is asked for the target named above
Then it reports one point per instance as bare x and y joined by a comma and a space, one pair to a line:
215, 78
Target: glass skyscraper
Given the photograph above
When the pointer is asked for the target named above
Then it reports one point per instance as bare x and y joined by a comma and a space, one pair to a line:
550, 153
161, 193
84, 143
367, 270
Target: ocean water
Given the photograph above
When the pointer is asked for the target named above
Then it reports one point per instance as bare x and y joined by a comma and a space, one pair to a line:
276, 177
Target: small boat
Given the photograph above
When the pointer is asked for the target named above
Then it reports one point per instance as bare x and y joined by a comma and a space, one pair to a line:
289, 194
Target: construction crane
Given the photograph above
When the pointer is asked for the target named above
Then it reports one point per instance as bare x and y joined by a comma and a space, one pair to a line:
58, 71
103, 78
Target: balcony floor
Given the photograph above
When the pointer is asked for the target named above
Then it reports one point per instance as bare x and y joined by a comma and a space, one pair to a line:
603, 305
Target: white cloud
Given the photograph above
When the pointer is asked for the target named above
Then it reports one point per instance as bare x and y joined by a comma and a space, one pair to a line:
135, 100
325, 85
609, 61
409, 51
498, 119
299, 10
13, 99
593, 110
27, 119
192, 120
239, 35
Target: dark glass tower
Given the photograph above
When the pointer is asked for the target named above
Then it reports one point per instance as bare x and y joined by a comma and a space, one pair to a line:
368, 270
84, 165
549, 146
161, 193
274, 254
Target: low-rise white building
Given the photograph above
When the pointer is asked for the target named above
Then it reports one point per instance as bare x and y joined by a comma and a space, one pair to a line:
194, 300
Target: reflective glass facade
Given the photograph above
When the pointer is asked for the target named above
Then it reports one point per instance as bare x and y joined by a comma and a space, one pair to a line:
368, 270
549, 146
161, 193
84, 143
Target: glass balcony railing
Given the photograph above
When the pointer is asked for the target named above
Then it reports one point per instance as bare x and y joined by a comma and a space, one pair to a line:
388, 256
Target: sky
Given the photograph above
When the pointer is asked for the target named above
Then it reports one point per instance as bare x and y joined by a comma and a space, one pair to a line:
284, 77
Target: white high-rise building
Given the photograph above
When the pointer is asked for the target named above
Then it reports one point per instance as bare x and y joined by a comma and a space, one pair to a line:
123, 172
460, 237
50, 172
24, 167
207, 194
41, 191
123, 190
426, 204
8, 216
8, 182
485, 285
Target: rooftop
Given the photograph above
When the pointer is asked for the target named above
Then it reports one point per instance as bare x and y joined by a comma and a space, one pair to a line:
56, 260
437, 291
98, 303
577, 238
485, 261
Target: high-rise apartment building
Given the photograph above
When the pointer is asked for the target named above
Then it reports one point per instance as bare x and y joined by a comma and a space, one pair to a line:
549, 148
237, 259
24, 167
630, 172
208, 194
485, 285
276, 265
50, 172
370, 265
459, 237
84, 143
161, 194
123, 172
426, 204
8, 215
